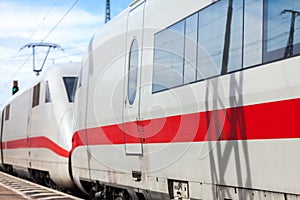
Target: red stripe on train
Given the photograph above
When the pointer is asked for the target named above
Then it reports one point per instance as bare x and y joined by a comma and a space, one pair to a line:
36, 142
273, 120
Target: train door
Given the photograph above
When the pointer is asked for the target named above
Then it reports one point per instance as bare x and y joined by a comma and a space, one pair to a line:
33, 101
132, 100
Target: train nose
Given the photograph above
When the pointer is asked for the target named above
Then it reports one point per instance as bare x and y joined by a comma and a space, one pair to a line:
66, 128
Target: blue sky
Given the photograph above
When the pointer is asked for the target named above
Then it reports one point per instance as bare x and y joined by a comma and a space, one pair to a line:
25, 21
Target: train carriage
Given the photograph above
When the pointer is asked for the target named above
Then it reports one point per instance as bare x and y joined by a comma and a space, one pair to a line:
191, 100
174, 100
36, 129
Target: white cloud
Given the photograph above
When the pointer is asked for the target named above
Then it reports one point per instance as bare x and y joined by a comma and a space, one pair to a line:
19, 21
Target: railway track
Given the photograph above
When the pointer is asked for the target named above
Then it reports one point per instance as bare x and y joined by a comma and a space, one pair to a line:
16, 188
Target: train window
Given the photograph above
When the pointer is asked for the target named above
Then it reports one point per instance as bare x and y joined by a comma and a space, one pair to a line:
169, 57
220, 50
7, 111
281, 29
133, 71
235, 49
190, 51
47, 93
253, 32
36, 95
70, 85
224, 37
210, 42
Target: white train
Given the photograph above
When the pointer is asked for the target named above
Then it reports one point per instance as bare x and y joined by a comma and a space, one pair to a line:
174, 100
191, 100
36, 128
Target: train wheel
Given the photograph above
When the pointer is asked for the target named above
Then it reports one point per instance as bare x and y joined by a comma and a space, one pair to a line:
48, 182
8, 169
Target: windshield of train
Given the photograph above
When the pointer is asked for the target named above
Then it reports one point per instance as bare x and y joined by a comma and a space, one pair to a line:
70, 84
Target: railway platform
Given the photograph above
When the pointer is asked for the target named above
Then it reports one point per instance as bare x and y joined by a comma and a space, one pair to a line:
16, 188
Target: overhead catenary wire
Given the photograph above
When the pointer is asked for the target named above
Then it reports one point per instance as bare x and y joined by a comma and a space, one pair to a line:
43, 20
33, 32
12, 77
17, 58
29, 56
61, 19
50, 32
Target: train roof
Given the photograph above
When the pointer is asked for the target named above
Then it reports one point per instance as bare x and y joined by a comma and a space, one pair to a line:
62, 69
109, 30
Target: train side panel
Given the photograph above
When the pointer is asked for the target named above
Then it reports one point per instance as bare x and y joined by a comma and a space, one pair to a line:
229, 135
105, 77
15, 130
246, 162
99, 91
40, 144
49, 134
43, 129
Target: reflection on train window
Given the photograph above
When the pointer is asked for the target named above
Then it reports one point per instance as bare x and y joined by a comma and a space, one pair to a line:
36, 95
7, 111
133, 71
220, 50
225, 37
190, 51
47, 93
168, 57
253, 32
70, 85
281, 29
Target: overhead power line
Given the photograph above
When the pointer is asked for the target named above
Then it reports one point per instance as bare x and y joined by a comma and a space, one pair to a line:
12, 77
63, 17
50, 32
33, 46
43, 20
